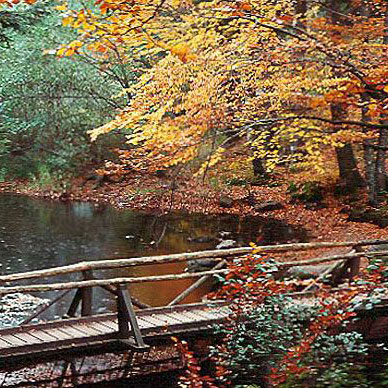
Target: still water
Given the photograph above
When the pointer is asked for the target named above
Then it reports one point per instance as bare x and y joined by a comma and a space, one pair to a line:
37, 234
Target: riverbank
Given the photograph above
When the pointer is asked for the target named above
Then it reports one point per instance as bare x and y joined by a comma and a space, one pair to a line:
327, 220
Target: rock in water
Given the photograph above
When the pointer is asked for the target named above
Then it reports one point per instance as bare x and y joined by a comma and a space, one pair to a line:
225, 244
200, 265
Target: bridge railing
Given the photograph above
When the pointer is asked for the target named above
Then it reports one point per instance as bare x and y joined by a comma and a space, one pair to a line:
220, 256
217, 255
350, 264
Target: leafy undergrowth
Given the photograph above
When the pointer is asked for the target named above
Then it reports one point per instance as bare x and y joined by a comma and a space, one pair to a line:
272, 339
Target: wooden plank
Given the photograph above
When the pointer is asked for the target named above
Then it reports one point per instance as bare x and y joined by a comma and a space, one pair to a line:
176, 329
169, 319
57, 323
104, 329
194, 317
180, 317
88, 329
154, 320
83, 333
213, 314
96, 327
71, 331
42, 335
181, 307
152, 324
29, 339
143, 323
4, 344
107, 318
13, 341
59, 335
78, 333
199, 312
54, 348
77, 336
110, 325
205, 315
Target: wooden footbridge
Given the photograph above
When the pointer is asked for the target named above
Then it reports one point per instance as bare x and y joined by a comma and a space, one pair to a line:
136, 327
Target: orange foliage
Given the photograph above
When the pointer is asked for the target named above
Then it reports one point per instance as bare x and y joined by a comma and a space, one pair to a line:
248, 68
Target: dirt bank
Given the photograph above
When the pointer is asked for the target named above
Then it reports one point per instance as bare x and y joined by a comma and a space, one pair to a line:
158, 195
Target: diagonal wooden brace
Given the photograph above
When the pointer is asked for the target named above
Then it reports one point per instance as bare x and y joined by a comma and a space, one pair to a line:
127, 320
75, 303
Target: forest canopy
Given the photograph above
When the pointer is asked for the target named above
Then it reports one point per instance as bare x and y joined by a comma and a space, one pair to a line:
291, 80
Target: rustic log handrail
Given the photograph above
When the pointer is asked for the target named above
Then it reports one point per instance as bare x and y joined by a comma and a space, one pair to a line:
104, 282
144, 279
180, 257
321, 260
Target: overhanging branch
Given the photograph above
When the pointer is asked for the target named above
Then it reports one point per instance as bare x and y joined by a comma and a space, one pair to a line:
322, 119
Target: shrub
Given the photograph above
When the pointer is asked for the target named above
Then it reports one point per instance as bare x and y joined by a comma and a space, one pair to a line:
272, 339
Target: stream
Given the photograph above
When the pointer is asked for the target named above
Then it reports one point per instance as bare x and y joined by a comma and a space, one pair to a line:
36, 234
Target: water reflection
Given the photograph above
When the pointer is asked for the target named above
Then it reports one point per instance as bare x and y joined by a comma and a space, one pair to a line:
38, 234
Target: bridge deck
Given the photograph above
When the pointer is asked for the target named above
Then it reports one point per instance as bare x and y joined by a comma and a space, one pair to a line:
75, 333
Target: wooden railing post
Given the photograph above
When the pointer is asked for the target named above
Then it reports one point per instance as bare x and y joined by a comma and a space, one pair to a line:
351, 267
87, 295
354, 264
127, 320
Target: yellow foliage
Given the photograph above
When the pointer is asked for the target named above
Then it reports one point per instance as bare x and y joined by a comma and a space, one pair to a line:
67, 21
62, 7
222, 66
213, 159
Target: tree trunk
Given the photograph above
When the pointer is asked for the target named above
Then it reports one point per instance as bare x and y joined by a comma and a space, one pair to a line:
301, 8
369, 160
369, 151
350, 177
258, 164
380, 178
258, 168
349, 174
